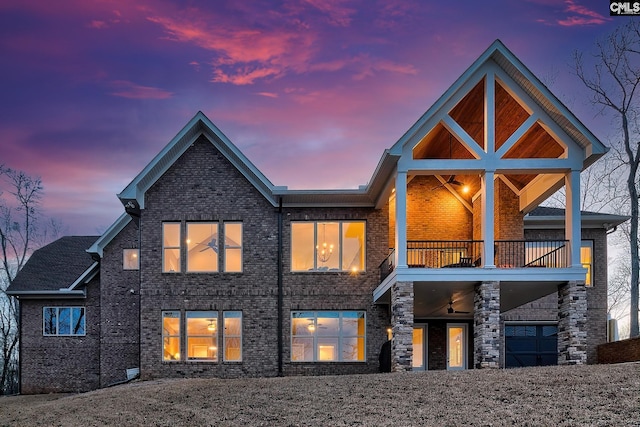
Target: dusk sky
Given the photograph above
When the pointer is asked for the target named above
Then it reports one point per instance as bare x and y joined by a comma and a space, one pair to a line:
312, 91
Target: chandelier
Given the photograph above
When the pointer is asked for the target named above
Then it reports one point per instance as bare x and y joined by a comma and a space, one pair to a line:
324, 250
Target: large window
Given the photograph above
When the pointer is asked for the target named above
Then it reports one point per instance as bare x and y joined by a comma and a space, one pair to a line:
232, 336
202, 336
202, 246
328, 336
328, 246
171, 247
66, 321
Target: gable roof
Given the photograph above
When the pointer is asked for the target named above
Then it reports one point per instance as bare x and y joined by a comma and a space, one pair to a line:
56, 269
520, 74
198, 126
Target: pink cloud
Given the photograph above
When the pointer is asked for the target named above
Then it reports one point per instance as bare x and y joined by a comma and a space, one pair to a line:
267, 94
578, 15
126, 89
99, 25
338, 14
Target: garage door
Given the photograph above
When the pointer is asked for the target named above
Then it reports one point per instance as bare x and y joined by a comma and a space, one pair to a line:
531, 345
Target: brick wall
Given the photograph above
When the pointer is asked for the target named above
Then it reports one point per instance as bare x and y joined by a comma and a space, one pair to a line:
433, 213
620, 351
337, 290
203, 185
120, 296
57, 363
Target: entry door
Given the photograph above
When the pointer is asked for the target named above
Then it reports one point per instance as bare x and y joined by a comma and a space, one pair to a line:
456, 346
419, 348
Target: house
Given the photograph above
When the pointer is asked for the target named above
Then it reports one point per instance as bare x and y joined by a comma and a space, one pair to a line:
212, 271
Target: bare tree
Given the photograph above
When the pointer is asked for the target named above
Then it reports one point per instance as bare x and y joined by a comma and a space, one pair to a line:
612, 76
21, 231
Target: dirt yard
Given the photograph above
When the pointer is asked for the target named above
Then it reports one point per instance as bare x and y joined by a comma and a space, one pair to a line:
597, 395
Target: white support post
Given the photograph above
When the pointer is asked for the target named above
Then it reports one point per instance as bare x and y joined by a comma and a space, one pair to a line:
401, 220
488, 214
573, 232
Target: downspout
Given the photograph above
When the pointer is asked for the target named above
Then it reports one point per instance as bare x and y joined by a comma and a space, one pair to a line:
19, 306
140, 295
280, 296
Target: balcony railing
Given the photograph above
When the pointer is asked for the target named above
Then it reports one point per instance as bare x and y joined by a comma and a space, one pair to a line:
468, 254
444, 253
531, 253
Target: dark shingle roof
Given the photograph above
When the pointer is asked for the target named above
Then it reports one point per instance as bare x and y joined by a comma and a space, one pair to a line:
55, 266
549, 211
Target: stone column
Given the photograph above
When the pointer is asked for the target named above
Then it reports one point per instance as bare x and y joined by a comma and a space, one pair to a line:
402, 326
486, 322
572, 323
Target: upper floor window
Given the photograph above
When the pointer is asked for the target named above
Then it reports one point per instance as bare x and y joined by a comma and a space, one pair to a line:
171, 247
328, 246
328, 336
68, 321
131, 259
233, 247
202, 246
586, 258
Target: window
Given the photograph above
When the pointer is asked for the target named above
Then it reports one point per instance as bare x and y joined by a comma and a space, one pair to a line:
328, 246
131, 259
328, 336
67, 321
232, 336
202, 246
586, 258
171, 247
202, 335
233, 247
170, 335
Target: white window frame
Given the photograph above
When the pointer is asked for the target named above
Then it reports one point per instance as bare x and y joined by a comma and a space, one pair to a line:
312, 316
57, 325
227, 246
179, 247
226, 336
190, 269
204, 314
169, 336
588, 265
339, 249
128, 254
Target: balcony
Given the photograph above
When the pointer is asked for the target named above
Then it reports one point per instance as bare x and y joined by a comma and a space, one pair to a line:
508, 254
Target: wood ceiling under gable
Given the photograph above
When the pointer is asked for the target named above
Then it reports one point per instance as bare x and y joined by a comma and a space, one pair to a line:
511, 114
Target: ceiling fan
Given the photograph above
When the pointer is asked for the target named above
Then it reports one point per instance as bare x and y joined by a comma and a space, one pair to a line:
451, 181
450, 310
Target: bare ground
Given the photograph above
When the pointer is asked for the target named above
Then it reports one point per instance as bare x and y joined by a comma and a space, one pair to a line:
599, 395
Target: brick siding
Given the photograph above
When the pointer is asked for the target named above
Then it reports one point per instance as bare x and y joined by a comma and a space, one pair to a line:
120, 314
57, 364
620, 351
